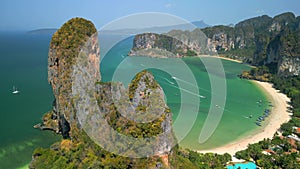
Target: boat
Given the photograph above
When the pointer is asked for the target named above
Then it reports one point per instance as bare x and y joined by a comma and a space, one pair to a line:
15, 90
261, 118
203, 97
257, 123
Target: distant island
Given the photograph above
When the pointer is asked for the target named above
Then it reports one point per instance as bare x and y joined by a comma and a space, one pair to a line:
160, 29
43, 31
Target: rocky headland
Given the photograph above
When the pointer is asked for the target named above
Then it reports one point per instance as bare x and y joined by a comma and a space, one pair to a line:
77, 42
273, 42
159, 45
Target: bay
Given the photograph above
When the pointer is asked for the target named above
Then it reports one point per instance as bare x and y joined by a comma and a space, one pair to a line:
23, 64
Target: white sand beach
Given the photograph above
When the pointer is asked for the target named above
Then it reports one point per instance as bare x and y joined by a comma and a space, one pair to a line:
220, 57
278, 116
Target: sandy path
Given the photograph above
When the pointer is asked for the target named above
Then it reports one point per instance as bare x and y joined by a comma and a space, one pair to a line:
278, 116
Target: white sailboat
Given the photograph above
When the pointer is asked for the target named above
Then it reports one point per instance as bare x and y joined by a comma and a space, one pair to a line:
15, 90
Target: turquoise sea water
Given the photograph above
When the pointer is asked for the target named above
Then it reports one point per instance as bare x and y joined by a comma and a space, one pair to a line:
23, 64
241, 99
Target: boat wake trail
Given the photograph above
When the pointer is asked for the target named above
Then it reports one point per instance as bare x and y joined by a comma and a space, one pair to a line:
168, 80
185, 90
191, 84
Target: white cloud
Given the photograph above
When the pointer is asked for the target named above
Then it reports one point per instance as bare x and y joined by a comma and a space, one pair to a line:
259, 11
169, 5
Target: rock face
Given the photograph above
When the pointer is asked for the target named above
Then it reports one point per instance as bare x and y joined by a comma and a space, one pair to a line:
258, 41
139, 112
64, 49
157, 45
148, 101
262, 41
289, 66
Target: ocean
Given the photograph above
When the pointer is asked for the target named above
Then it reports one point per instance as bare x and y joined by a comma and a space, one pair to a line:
241, 100
23, 65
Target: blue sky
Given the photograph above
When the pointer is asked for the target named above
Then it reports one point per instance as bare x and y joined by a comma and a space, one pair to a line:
33, 14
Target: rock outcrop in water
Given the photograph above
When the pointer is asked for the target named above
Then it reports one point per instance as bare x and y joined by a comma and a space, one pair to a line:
61, 64
263, 40
64, 49
76, 42
140, 112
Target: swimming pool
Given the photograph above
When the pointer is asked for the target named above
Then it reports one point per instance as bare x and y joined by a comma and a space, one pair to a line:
249, 165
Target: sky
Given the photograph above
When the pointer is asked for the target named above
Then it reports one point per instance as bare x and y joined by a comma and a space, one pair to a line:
37, 14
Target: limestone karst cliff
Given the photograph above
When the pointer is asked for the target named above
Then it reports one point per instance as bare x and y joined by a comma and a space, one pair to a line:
139, 112
61, 66
74, 57
64, 49
159, 45
258, 41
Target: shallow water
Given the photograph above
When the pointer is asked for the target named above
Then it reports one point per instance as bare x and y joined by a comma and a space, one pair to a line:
241, 98
24, 65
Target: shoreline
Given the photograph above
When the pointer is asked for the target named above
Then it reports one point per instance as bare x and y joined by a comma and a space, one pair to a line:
220, 57
278, 116
226, 58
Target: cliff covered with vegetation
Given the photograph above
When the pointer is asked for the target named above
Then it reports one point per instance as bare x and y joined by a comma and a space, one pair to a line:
74, 56
273, 42
65, 46
157, 45
280, 67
